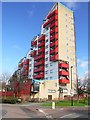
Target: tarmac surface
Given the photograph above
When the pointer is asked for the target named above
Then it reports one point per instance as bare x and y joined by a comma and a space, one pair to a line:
35, 110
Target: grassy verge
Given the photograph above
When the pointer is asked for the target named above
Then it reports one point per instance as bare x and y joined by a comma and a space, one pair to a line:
67, 103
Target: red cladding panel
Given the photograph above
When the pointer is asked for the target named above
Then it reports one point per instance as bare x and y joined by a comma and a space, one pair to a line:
67, 81
64, 65
41, 44
64, 73
39, 69
53, 13
39, 76
39, 63
41, 38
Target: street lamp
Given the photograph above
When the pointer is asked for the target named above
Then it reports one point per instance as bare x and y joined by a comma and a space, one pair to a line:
71, 87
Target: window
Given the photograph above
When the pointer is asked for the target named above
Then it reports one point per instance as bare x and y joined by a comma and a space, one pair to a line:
46, 65
50, 77
46, 52
68, 57
46, 71
50, 64
51, 71
47, 28
47, 40
47, 59
67, 44
46, 46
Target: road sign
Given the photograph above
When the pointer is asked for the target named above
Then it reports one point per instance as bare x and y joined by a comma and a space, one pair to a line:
72, 92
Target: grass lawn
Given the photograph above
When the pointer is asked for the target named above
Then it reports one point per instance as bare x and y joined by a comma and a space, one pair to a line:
67, 103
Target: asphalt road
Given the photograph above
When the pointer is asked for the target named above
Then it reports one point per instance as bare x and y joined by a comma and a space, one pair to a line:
34, 110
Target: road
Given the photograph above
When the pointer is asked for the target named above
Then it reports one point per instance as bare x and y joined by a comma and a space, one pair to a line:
34, 110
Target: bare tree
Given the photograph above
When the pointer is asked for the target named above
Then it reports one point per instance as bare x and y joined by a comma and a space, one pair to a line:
4, 77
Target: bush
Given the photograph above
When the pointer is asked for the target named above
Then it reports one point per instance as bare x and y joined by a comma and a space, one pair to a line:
9, 100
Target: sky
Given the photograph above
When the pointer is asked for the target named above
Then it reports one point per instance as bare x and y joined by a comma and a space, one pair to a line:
22, 21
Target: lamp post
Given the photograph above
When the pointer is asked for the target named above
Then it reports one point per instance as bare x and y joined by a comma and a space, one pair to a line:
71, 87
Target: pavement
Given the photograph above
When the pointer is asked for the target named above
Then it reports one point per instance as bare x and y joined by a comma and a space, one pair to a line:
35, 110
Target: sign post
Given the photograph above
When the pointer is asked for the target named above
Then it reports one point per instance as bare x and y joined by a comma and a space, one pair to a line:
72, 94
53, 105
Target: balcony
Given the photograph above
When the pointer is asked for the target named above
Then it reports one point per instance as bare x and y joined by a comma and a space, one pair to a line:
54, 44
39, 57
26, 62
55, 30
50, 20
20, 64
54, 51
41, 44
41, 50
54, 24
64, 81
66, 73
53, 18
55, 36
39, 69
53, 13
39, 63
33, 54
54, 58
33, 43
64, 65
39, 76
41, 38
27, 67
25, 73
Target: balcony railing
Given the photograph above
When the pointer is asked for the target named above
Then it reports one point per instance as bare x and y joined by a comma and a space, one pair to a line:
54, 51
55, 36
53, 13
50, 20
55, 30
27, 67
39, 57
34, 43
64, 65
67, 81
41, 38
41, 50
66, 73
33, 54
39, 63
39, 76
41, 44
54, 44
54, 24
54, 57
26, 62
39, 69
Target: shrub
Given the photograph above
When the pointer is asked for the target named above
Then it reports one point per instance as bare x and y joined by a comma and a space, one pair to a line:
9, 100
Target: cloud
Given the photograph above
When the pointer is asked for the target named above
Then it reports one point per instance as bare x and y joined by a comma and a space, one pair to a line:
82, 63
15, 47
30, 13
73, 5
